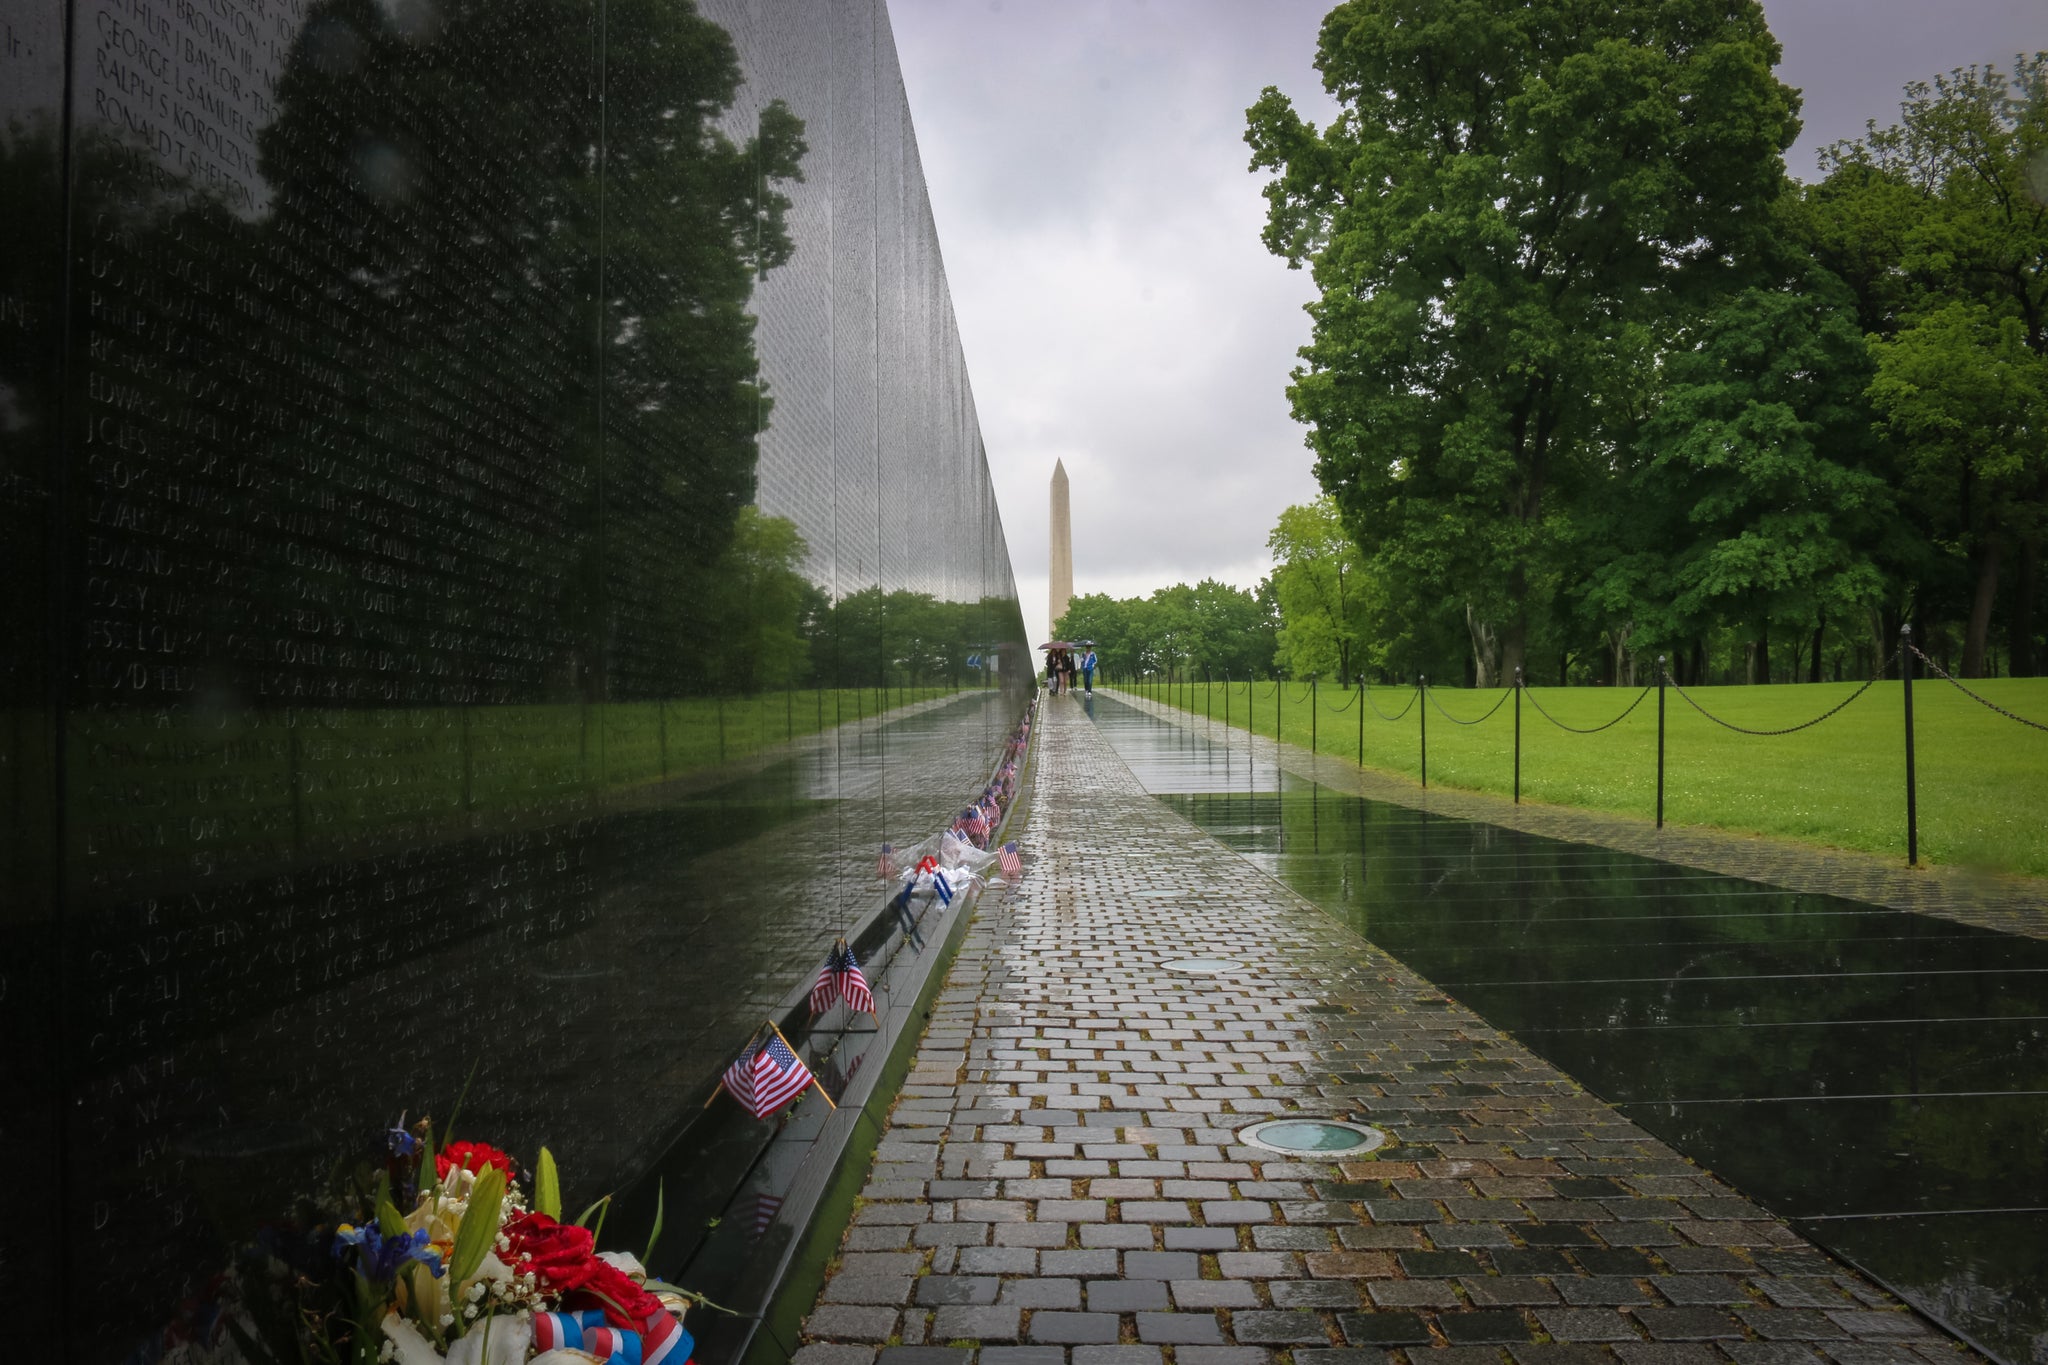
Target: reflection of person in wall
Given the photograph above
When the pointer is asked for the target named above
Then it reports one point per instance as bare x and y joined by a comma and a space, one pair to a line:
1088, 671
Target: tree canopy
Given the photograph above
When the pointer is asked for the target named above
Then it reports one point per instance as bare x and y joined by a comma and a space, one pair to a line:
1591, 378
1211, 628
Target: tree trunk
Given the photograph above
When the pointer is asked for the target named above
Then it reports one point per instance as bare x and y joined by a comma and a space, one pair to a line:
1884, 623
1487, 665
1980, 609
1513, 645
1617, 654
1759, 669
2019, 630
1820, 630
1698, 666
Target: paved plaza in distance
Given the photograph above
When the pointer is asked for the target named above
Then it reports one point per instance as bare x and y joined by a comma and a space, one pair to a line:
1061, 1182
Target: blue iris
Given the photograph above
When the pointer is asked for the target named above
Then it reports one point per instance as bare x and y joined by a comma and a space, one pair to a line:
379, 1257
400, 1142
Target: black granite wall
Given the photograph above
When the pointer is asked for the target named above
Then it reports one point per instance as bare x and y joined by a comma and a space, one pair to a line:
495, 531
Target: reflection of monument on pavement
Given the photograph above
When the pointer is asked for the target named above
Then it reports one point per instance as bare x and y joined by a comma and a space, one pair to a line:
1062, 563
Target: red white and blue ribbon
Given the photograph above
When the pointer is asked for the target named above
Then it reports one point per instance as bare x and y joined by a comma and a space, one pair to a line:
660, 1339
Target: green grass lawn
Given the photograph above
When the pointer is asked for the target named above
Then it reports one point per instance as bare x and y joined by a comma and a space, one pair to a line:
1983, 779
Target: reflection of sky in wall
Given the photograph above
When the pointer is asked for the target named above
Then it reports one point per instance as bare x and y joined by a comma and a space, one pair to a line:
1087, 169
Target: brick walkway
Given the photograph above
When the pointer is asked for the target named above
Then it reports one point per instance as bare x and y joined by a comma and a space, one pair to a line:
1060, 1183
2009, 903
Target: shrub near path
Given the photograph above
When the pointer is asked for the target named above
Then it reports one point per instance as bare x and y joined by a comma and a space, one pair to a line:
1982, 778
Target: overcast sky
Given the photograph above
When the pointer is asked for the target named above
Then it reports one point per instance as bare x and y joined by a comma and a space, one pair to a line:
1088, 175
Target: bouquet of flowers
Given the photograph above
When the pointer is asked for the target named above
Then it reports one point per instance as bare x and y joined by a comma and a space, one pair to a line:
442, 1257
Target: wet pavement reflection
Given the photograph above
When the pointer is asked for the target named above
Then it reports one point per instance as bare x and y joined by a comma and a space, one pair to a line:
1877, 1077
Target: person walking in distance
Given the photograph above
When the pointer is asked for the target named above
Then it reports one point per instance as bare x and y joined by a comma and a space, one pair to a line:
1088, 670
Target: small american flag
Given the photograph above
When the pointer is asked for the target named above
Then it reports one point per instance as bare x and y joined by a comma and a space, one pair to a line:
1009, 862
841, 979
766, 1077
885, 866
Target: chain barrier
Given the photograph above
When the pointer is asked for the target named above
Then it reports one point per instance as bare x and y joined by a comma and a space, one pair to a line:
1455, 721
1306, 692
1981, 701
1367, 687
1790, 729
1594, 730
1276, 688
1340, 710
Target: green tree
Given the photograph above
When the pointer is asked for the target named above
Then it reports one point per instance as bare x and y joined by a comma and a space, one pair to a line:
1502, 221
1211, 628
1941, 220
1967, 399
1756, 473
1319, 583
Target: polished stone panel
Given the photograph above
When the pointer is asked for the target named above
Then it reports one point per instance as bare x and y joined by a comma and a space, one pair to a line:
496, 532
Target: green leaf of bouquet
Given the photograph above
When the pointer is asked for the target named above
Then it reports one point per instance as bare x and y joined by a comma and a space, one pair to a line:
660, 1206
600, 1208
390, 1221
448, 1132
547, 1186
479, 1230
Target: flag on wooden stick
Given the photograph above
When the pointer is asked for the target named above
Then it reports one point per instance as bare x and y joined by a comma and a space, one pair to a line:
841, 979
768, 1075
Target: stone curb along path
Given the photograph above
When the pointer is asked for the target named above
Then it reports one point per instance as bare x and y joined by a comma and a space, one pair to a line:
1061, 1182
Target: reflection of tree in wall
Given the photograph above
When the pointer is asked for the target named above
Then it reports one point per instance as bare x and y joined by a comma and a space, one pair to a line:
553, 294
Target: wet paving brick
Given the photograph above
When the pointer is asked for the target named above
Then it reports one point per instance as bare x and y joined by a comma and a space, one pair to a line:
1063, 1170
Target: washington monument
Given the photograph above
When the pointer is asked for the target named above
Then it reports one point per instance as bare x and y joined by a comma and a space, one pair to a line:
1062, 566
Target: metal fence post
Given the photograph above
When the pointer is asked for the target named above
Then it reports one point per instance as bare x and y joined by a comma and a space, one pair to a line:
1660, 741
1518, 734
1422, 712
1361, 721
1313, 728
1279, 695
1912, 805
1226, 699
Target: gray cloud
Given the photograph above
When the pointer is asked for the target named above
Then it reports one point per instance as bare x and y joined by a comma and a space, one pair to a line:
1088, 176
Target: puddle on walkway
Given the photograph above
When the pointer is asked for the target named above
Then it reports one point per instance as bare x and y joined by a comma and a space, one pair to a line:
1879, 1078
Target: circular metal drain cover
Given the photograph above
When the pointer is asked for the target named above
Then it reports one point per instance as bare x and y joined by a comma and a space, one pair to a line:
1311, 1137
1203, 966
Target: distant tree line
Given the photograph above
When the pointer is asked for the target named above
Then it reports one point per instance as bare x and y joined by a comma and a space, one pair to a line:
1210, 629
1592, 380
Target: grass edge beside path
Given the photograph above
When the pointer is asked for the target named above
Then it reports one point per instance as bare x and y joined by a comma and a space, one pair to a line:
1982, 779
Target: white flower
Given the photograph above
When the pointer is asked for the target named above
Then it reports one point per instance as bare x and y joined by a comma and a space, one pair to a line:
626, 1262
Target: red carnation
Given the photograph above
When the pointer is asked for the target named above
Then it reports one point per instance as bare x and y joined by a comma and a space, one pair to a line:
472, 1157
562, 1257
